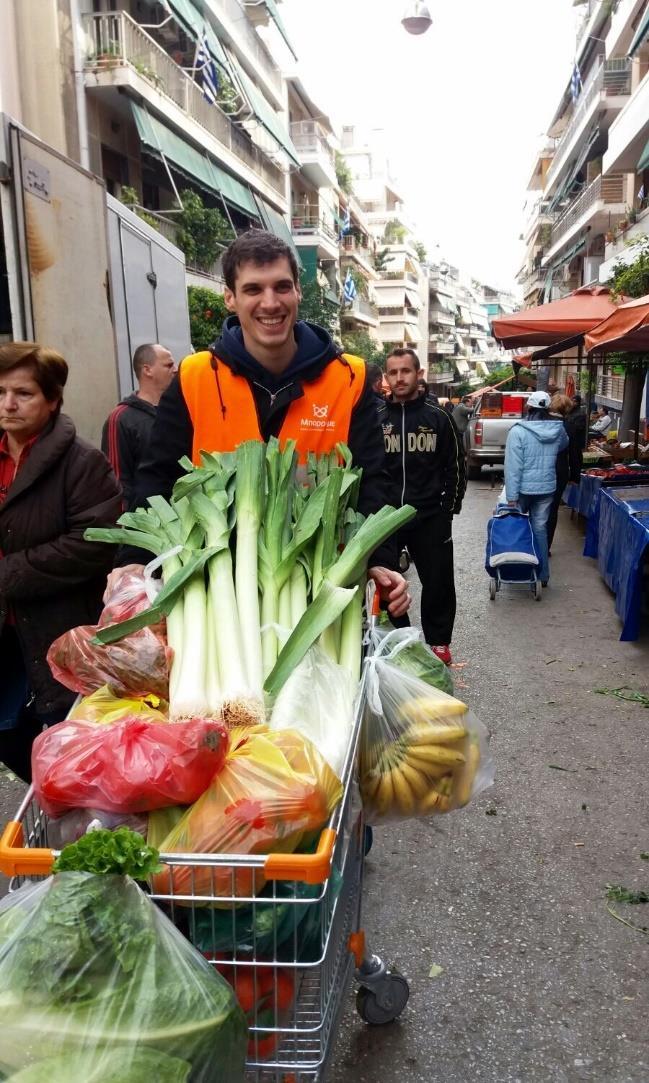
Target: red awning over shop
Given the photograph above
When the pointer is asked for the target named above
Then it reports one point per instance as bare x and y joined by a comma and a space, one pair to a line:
547, 324
626, 329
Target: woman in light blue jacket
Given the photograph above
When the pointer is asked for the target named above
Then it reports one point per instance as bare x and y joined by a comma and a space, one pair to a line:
530, 469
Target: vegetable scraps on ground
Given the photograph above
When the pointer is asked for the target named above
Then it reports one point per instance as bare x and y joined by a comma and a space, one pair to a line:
257, 567
97, 985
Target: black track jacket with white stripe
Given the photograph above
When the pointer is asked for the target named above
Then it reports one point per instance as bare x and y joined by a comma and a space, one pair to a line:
424, 454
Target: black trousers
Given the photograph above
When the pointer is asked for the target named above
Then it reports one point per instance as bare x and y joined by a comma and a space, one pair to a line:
16, 744
430, 544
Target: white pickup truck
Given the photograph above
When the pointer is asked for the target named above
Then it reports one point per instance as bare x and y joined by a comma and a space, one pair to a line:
486, 436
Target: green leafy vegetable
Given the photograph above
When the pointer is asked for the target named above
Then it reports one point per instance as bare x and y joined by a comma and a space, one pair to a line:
112, 1066
96, 975
121, 852
419, 660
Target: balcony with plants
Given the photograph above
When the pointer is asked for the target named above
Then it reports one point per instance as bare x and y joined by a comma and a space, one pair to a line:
121, 54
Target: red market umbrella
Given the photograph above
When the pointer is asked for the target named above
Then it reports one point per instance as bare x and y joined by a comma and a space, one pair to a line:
546, 324
626, 330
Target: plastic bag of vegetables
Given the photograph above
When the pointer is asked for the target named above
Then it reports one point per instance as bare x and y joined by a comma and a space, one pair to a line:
130, 766
103, 707
421, 751
135, 665
273, 789
406, 650
97, 986
318, 701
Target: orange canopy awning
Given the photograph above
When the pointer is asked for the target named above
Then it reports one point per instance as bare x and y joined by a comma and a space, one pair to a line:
626, 330
547, 324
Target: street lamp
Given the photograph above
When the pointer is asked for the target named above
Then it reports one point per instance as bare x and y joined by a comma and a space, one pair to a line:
416, 19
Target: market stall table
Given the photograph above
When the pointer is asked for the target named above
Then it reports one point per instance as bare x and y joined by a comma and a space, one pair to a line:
582, 498
618, 537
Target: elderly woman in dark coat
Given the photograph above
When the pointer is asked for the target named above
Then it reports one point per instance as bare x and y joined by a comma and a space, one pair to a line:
53, 485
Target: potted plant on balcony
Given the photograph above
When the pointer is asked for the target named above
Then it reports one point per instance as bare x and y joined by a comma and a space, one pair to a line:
108, 55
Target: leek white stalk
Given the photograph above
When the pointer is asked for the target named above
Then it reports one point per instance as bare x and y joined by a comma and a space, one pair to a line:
212, 676
249, 503
190, 693
237, 703
351, 634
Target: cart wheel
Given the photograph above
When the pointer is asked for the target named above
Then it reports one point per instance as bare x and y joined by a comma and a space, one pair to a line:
395, 990
538, 591
493, 587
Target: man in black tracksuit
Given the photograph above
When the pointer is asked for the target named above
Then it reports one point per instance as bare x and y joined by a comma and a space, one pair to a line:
426, 462
128, 427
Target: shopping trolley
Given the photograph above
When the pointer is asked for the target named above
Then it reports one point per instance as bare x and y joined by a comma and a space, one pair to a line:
511, 555
293, 939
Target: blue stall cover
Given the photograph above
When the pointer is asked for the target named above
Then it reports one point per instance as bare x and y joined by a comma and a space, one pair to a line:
622, 542
510, 544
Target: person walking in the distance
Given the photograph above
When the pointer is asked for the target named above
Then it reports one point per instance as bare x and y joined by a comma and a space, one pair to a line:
530, 469
426, 463
128, 428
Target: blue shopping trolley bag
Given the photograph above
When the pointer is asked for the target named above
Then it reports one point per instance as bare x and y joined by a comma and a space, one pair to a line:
511, 554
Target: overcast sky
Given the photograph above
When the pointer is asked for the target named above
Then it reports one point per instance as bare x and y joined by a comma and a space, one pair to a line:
464, 107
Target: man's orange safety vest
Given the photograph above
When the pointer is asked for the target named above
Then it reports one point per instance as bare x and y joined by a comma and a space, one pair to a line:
223, 413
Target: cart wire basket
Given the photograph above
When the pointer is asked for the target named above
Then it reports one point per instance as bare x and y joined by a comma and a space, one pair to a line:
284, 929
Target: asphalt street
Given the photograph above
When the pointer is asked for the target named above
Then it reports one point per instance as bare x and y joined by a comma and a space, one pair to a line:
497, 914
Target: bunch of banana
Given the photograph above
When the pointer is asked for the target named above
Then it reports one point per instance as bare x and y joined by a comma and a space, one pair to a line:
429, 766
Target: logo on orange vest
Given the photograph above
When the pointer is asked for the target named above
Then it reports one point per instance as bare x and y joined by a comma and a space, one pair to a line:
320, 419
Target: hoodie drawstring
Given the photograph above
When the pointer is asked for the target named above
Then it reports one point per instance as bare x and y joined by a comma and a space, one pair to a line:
345, 362
215, 366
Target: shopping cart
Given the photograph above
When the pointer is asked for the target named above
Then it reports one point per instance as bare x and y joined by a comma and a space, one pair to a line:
293, 941
511, 555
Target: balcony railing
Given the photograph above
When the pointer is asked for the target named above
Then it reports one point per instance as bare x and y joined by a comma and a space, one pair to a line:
253, 46
361, 307
408, 276
351, 244
311, 221
116, 40
308, 136
609, 190
610, 77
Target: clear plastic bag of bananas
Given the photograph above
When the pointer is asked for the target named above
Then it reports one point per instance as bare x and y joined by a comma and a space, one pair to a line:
421, 751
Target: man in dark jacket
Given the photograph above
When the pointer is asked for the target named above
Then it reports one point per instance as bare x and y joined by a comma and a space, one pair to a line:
128, 428
426, 463
266, 376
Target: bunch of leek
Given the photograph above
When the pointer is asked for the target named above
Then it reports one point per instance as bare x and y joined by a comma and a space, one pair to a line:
258, 563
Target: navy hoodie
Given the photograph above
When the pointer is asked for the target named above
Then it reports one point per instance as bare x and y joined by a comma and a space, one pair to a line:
172, 435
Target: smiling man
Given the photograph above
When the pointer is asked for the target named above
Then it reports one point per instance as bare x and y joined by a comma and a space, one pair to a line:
271, 374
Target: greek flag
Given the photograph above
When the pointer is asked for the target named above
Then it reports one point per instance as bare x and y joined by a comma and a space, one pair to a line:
349, 287
346, 223
576, 85
641, 193
204, 64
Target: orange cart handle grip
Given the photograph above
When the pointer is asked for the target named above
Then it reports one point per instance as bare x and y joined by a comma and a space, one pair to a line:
18, 860
307, 868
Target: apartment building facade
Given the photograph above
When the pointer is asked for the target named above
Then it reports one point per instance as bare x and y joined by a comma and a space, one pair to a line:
461, 349
401, 285
591, 174
119, 86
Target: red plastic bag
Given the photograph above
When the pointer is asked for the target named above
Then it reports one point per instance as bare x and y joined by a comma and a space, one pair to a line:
131, 766
136, 665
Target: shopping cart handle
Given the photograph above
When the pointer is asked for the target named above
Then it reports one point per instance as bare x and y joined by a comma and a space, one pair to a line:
18, 860
307, 868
